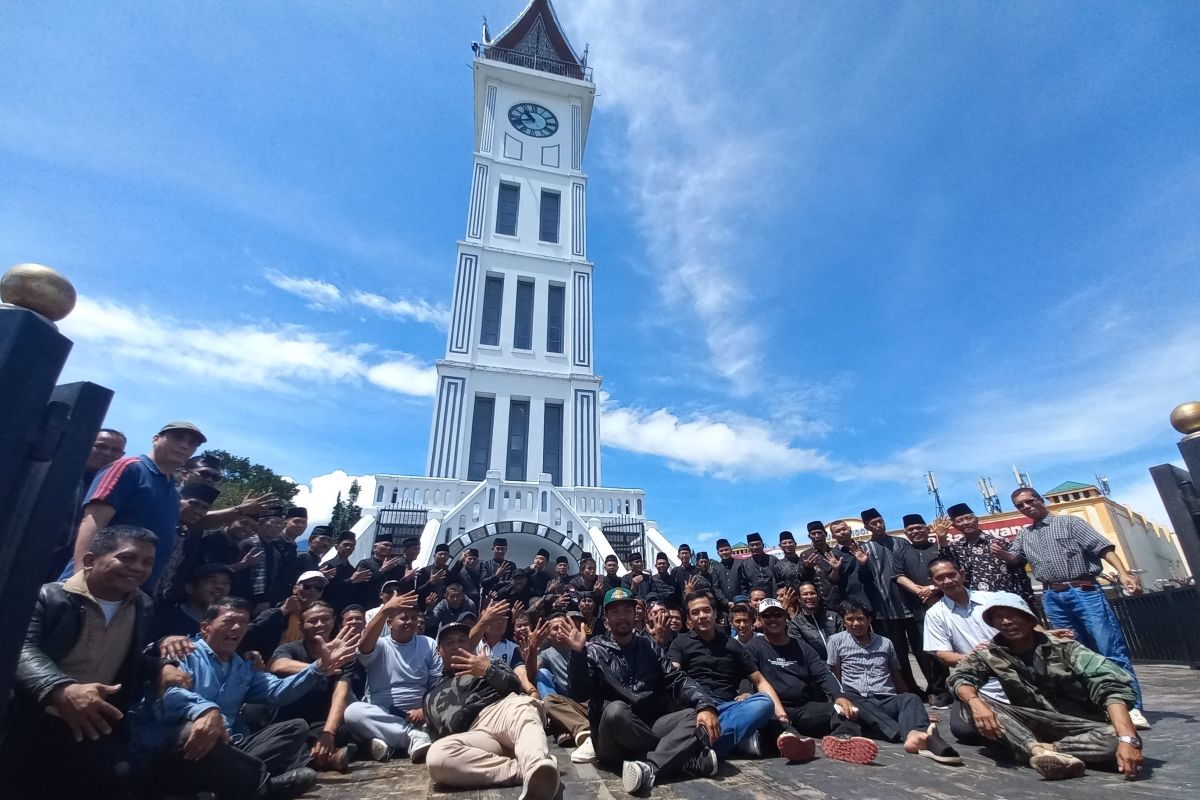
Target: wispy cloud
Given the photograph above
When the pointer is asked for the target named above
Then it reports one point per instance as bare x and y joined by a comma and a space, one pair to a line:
693, 167
324, 296
271, 357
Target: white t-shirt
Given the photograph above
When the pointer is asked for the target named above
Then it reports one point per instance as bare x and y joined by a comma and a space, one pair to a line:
109, 607
505, 651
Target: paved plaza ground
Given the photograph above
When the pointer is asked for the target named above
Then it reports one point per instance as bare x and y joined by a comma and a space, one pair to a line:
1172, 769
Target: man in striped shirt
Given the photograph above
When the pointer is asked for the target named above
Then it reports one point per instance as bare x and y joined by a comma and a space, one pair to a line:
140, 491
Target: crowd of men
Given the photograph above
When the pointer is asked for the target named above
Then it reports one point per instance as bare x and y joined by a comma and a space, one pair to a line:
178, 650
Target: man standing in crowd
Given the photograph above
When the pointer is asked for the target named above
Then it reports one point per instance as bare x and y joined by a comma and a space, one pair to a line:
911, 572
498, 570
612, 580
108, 446
855, 580
1069, 706
343, 589
812, 698
720, 665
824, 564
978, 554
757, 571
210, 746
320, 542
684, 572
891, 616
383, 567
636, 580
790, 568
1065, 554
467, 572
80, 670
724, 571
867, 666
586, 581
662, 582
140, 491
401, 669
188, 552
487, 731
539, 578
632, 689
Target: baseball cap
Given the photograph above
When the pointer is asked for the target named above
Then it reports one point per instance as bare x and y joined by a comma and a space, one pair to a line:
768, 603
618, 595
312, 575
390, 584
450, 627
183, 425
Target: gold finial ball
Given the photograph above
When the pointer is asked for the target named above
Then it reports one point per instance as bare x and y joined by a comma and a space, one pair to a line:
1186, 418
38, 288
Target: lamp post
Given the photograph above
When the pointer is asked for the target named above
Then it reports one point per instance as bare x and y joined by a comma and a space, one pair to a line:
1177, 487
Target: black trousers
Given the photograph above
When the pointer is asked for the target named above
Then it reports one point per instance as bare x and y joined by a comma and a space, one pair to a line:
237, 771
40, 758
962, 728
907, 636
666, 744
890, 717
821, 719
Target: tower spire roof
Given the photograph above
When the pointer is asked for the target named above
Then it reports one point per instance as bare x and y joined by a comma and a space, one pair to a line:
536, 34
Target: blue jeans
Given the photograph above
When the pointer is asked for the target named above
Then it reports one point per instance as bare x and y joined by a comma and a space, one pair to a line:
739, 720
545, 682
1095, 625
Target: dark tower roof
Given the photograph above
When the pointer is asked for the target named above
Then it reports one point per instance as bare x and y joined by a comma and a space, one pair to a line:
535, 40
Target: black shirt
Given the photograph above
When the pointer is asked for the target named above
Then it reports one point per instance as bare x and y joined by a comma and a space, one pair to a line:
913, 563
313, 707
795, 671
719, 666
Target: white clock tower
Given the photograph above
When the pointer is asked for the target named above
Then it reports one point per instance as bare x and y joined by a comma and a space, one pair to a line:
514, 449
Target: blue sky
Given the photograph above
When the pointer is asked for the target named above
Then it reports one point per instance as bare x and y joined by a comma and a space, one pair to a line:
836, 245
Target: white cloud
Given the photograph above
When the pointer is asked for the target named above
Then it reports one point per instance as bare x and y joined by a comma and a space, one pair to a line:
268, 357
694, 170
324, 296
320, 493
405, 375
729, 446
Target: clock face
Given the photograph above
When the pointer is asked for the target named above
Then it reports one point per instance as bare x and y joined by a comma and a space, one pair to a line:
533, 120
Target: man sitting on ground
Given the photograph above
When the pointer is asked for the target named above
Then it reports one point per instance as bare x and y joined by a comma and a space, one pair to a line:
281, 624
633, 691
869, 669
812, 698
1069, 706
80, 669
814, 623
548, 669
488, 732
451, 607
401, 668
211, 748
720, 665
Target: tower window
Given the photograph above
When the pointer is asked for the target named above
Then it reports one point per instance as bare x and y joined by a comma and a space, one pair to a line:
493, 297
506, 209
555, 303
518, 438
548, 230
552, 442
523, 320
481, 438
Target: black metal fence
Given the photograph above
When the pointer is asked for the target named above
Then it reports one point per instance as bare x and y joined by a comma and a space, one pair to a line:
1162, 627
540, 63
400, 521
625, 535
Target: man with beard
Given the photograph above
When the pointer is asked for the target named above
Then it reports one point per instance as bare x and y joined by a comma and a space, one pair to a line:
498, 570
467, 572
724, 571
911, 572
890, 614
632, 689
814, 701
757, 571
978, 554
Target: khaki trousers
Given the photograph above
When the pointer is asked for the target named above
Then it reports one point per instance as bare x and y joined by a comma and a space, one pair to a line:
503, 745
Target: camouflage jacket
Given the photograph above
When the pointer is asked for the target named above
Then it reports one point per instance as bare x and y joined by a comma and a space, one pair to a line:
456, 701
1065, 677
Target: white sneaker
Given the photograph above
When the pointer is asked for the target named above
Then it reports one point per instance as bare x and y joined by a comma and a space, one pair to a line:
418, 746
1139, 720
380, 751
542, 781
636, 776
585, 753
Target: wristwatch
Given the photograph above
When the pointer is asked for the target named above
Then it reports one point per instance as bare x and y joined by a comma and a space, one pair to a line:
1133, 741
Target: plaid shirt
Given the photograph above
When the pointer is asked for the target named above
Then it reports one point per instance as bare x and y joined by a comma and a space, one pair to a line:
1061, 548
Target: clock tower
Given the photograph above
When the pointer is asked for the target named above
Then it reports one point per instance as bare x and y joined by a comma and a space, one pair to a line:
514, 448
